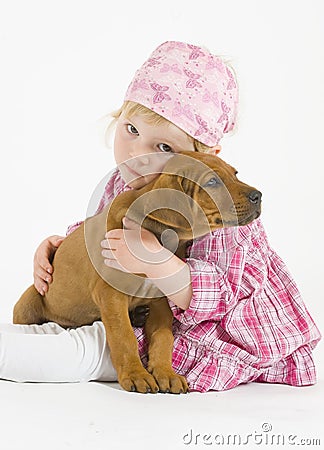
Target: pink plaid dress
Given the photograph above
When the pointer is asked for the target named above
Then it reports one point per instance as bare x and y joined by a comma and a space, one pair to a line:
246, 321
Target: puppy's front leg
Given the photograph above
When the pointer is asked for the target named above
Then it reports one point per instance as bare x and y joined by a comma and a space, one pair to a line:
158, 329
121, 340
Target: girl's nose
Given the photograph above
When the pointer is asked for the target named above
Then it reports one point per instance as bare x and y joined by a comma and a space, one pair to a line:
144, 159
139, 152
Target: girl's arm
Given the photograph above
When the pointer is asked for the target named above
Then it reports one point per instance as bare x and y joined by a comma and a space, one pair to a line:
201, 289
43, 269
173, 278
214, 292
137, 250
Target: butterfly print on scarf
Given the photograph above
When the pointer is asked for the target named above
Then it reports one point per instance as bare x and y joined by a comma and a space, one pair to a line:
151, 62
160, 93
203, 128
140, 84
210, 97
180, 110
174, 68
224, 116
195, 52
193, 77
215, 63
231, 83
174, 44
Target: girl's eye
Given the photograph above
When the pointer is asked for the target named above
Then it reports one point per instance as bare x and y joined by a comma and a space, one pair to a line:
165, 148
131, 129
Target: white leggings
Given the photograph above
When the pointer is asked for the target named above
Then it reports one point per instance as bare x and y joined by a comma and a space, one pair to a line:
50, 353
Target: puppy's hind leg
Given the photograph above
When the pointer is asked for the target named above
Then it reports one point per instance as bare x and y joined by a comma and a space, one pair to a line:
29, 308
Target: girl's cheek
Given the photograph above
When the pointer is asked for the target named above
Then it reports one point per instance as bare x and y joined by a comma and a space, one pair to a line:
157, 161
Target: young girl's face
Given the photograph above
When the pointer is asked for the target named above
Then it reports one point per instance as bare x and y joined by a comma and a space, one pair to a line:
141, 149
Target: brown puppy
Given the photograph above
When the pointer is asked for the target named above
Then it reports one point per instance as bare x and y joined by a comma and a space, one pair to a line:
195, 194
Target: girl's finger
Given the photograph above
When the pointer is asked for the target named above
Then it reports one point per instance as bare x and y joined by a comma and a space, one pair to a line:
43, 275
41, 287
57, 242
104, 243
114, 264
41, 260
109, 254
107, 244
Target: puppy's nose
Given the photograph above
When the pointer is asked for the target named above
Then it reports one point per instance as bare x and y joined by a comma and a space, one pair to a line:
255, 197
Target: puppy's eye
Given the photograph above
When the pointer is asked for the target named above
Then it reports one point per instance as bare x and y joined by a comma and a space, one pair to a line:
214, 181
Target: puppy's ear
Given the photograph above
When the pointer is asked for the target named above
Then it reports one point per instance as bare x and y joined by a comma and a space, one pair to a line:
165, 206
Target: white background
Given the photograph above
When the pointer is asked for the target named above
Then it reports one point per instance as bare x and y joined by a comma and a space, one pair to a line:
66, 64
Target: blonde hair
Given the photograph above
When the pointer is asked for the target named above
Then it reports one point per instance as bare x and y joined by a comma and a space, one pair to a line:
131, 108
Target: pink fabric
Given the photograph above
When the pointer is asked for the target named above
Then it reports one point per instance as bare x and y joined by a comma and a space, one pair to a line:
190, 87
246, 320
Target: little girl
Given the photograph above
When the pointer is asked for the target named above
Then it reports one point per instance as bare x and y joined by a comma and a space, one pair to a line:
238, 315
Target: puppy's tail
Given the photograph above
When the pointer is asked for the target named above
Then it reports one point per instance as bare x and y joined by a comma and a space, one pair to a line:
29, 309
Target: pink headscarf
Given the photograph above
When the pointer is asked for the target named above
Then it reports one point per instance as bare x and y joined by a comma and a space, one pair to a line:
190, 87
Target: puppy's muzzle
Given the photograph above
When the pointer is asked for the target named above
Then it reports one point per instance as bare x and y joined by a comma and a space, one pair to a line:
253, 208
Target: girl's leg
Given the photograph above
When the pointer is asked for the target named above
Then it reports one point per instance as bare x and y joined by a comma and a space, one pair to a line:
49, 353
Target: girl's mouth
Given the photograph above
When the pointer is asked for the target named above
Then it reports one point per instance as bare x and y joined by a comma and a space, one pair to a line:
132, 171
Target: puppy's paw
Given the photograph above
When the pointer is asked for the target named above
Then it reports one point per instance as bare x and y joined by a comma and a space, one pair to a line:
138, 380
169, 381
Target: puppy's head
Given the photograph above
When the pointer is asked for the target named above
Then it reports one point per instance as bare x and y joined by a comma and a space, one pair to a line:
196, 193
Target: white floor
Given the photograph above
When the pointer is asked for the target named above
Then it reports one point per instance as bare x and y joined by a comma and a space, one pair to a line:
101, 416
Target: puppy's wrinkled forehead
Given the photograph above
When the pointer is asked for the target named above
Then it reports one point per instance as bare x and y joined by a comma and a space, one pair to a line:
196, 166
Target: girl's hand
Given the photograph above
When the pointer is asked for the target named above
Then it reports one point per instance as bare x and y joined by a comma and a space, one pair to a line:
133, 249
138, 251
42, 262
